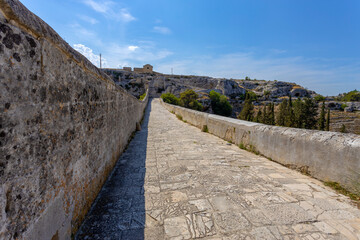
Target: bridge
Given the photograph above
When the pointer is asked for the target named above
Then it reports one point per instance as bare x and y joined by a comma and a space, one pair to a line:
75, 163
176, 182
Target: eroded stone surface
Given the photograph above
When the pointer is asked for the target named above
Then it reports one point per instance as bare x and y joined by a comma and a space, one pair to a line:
176, 182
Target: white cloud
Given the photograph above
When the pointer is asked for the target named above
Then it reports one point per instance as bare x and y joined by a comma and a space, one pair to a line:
89, 54
109, 10
88, 19
116, 55
145, 53
132, 48
162, 30
126, 16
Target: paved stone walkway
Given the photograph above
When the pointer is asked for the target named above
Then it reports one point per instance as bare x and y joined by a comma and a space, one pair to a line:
176, 182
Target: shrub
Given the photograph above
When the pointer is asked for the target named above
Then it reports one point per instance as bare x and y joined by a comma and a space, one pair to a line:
351, 96
319, 98
205, 128
170, 98
242, 146
343, 129
179, 117
220, 104
251, 96
188, 100
343, 106
142, 97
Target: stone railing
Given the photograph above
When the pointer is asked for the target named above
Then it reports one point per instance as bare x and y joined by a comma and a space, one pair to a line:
63, 126
328, 156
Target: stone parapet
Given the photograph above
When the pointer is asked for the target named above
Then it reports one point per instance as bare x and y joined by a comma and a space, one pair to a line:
328, 156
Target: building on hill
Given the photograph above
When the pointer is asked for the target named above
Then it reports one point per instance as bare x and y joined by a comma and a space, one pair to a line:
127, 69
147, 68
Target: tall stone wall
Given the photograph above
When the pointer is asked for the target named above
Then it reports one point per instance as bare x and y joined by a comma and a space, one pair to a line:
63, 125
328, 156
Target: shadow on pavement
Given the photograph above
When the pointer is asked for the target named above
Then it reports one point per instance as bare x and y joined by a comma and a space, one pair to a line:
119, 210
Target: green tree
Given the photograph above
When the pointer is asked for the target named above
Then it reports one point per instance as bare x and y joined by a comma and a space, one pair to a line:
289, 116
258, 117
264, 118
310, 113
188, 100
299, 113
251, 95
272, 114
247, 111
321, 121
220, 104
170, 98
328, 120
351, 96
319, 98
282, 113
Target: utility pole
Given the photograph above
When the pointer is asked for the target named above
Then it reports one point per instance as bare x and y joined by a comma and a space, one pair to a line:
100, 60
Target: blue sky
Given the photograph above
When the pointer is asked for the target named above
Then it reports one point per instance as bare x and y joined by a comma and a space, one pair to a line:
314, 43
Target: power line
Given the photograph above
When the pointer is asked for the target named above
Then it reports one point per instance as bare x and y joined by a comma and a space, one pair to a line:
100, 60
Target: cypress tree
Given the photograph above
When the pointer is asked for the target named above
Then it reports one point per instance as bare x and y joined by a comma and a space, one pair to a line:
310, 113
282, 113
328, 120
265, 115
321, 122
258, 117
247, 111
272, 114
298, 113
289, 117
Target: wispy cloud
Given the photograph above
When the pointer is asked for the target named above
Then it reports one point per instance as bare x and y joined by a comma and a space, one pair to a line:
80, 31
162, 30
89, 54
102, 7
110, 10
126, 16
144, 53
88, 19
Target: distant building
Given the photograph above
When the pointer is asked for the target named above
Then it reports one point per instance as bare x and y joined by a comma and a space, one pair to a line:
147, 68
127, 69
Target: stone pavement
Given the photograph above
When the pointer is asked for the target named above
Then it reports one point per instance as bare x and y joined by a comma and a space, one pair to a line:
176, 182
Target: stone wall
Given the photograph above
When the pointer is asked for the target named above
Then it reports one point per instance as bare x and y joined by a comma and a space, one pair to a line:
328, 156
63, 125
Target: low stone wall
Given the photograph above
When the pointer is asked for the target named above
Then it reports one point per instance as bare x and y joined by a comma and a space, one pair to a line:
63, 125
328, 156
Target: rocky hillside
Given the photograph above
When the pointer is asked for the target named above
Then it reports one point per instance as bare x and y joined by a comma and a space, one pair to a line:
342, 113
235, 89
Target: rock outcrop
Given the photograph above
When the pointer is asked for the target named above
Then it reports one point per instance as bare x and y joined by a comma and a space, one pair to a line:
175, 84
